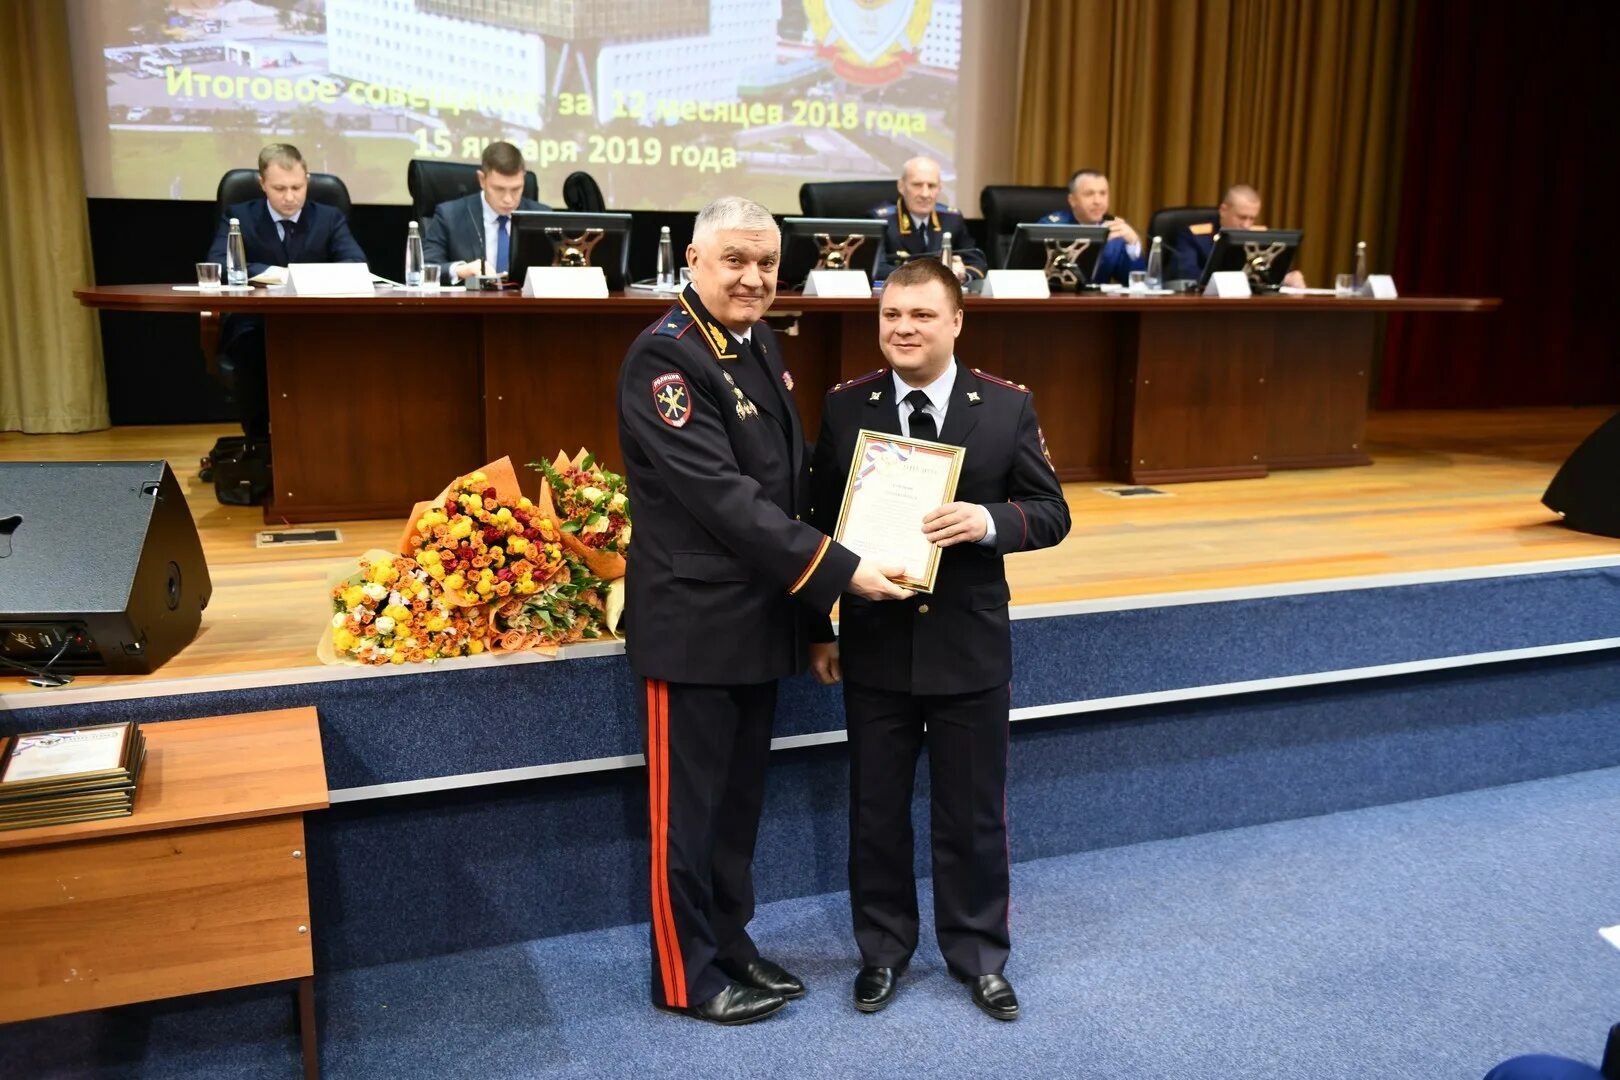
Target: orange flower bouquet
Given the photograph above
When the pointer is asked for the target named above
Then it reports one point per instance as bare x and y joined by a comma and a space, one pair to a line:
592, 507
480, 567
569, 608
482, 541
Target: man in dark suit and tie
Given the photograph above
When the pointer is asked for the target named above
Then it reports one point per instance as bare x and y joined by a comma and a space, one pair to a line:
278, 230
935, 670
479, 226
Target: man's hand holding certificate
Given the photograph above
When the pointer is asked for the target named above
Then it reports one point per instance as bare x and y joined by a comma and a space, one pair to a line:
898, 508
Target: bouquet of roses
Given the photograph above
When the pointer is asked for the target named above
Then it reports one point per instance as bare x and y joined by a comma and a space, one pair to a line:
391, 611
592, 508
482, 541
569, 608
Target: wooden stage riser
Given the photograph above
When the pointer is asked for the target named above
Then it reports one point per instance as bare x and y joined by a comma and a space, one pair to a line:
1138, 397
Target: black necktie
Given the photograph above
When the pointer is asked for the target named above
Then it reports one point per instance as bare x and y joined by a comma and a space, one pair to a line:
288, 228
922, 423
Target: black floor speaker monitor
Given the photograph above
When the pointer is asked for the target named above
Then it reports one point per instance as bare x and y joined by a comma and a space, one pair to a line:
1587, 489
100, 566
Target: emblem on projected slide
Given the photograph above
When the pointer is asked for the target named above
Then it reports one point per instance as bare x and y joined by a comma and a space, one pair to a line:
869, 41
671, 398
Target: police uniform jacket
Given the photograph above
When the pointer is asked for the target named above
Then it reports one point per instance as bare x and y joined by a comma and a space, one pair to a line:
1188, 250
1115, 262
724, 576
955, 640
901, 241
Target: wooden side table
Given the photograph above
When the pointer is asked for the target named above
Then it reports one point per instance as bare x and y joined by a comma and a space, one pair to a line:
203, 888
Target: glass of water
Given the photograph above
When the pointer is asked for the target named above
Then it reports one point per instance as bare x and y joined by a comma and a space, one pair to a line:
208, 275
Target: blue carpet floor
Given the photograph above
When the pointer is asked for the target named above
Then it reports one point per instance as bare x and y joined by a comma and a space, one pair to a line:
1427, 940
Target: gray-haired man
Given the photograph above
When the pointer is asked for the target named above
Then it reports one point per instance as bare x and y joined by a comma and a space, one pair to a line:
723, 579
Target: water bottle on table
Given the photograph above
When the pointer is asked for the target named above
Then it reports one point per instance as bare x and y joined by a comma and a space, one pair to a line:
413, 258
1154, 277
666, 258
236, 265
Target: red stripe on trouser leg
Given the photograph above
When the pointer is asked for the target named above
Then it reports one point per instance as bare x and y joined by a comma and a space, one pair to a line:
671, 969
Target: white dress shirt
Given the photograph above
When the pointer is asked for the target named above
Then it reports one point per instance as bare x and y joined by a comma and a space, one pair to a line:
278, 217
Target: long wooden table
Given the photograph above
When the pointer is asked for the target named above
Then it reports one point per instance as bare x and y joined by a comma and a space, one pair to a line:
375, 401
204, 887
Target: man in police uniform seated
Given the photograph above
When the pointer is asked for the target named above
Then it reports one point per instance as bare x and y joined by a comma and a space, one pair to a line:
724, 580
479, 226
917, 224
935, 670
1088, 205
1187, 249
279, 229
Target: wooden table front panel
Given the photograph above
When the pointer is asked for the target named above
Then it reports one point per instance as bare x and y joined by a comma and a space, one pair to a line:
96, 923
1193, 406
370, 413
551, 383
1317, 389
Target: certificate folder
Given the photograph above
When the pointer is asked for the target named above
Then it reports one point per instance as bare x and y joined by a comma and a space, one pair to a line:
893, 483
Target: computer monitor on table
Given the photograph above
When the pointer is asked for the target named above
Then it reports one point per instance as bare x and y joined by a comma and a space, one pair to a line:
827, 244
1067, 253
1264, 255
562, 238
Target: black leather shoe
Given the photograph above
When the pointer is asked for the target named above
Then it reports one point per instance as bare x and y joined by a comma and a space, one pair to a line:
734, 1005
994, 994
874, 988
761, 974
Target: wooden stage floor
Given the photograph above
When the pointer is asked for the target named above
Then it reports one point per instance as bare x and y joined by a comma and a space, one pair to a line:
1447, 490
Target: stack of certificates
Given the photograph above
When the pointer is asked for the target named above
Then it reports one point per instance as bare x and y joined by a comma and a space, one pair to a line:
75, 774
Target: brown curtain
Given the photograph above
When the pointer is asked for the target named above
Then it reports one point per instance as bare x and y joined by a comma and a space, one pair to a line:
51, 377
1176, 99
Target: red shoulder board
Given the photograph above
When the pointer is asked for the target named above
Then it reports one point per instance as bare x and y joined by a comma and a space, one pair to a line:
999, 381
859, 379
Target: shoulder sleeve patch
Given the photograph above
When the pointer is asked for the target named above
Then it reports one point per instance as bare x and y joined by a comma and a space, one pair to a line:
858, 380
673, 323
671, 398
999, 381
1203, 228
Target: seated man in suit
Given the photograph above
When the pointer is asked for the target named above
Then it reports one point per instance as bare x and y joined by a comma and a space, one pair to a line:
478, 226
1188, 248
1088, 205
917, 224
277, 230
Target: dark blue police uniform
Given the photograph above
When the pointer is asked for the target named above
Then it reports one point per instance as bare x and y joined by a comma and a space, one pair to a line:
724, 581
1115, 262
903, 240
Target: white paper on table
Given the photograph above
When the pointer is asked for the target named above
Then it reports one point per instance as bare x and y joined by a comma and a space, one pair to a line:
270, 275
1296, 290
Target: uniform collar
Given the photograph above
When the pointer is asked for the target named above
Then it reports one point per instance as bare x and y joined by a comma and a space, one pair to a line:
719, 340
903, 216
